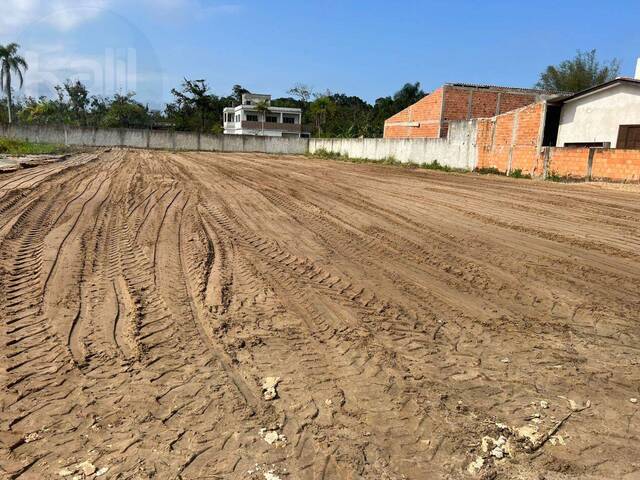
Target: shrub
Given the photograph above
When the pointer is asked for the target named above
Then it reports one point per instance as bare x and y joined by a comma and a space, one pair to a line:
488, 171
11, 146
517, 173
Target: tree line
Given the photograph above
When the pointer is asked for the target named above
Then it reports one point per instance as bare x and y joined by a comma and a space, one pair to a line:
194, 107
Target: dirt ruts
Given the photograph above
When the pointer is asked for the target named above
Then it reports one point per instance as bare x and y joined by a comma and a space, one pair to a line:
412, 317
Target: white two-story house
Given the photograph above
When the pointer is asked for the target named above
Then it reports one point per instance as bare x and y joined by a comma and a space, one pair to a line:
256, 116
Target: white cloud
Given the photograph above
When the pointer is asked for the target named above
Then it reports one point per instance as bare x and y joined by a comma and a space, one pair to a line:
63, 15
191, 9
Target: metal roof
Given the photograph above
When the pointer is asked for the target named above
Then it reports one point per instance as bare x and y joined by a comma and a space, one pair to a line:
498, 87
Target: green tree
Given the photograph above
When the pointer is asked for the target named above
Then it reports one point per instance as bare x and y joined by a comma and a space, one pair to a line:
301, 92
125, 112
11, 63
409, 94
195, 94
78, 100
321, 109
581, 72
236, 92
263, 108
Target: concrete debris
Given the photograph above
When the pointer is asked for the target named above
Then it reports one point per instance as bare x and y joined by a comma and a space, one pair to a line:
505, 360
495, 447
475, 466
528, 432
557, 440
633, 400
272, 436
31, 437
269, 385
574, 406
267, 473
84, 469
87, 468
544, 404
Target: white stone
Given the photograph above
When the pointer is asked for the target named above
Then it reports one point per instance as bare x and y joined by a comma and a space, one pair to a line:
475, 466
271, 437
87, 468
269, 385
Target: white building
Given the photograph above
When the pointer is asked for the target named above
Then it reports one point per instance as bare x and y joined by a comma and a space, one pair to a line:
256, 116
606, 115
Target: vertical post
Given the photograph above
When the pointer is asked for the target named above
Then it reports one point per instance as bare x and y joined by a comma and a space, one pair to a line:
514, 132
442, 111
545, 166
592, 153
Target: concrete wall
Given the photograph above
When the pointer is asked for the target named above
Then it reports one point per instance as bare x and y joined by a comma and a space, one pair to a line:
156, 139
456, 151
597, 117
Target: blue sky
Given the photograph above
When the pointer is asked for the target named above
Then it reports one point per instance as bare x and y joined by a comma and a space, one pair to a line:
365, 48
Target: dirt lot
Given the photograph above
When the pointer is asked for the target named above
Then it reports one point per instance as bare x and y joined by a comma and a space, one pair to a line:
145, 296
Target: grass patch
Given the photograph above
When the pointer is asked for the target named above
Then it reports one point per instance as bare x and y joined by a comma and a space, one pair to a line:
10, 146
390, 160
488, 171
517, 173
554, 176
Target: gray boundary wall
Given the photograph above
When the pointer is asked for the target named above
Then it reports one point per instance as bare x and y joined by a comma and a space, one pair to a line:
458, 150
156, 139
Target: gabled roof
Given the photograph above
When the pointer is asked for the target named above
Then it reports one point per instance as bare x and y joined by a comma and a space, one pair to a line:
588, 91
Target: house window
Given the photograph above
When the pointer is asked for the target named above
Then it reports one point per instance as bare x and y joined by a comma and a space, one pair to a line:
272, 119
237, 118
230, 117
290, 120
252, 117
628, 136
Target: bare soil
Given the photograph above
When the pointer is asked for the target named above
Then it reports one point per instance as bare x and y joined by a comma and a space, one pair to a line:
145, 297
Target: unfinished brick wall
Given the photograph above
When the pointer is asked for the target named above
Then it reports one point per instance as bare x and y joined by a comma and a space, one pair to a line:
606, 164
465, 103
568, 162
430, 117
511, 141
420, 120
616, 164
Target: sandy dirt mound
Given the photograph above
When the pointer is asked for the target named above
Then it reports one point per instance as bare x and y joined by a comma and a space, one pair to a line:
244, 316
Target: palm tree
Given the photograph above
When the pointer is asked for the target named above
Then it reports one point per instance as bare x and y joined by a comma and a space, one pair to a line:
10, 62
263, 108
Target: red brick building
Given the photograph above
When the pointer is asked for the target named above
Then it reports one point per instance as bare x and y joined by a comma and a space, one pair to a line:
430, 117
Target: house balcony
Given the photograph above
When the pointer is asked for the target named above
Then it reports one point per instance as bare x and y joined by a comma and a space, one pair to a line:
280, 127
